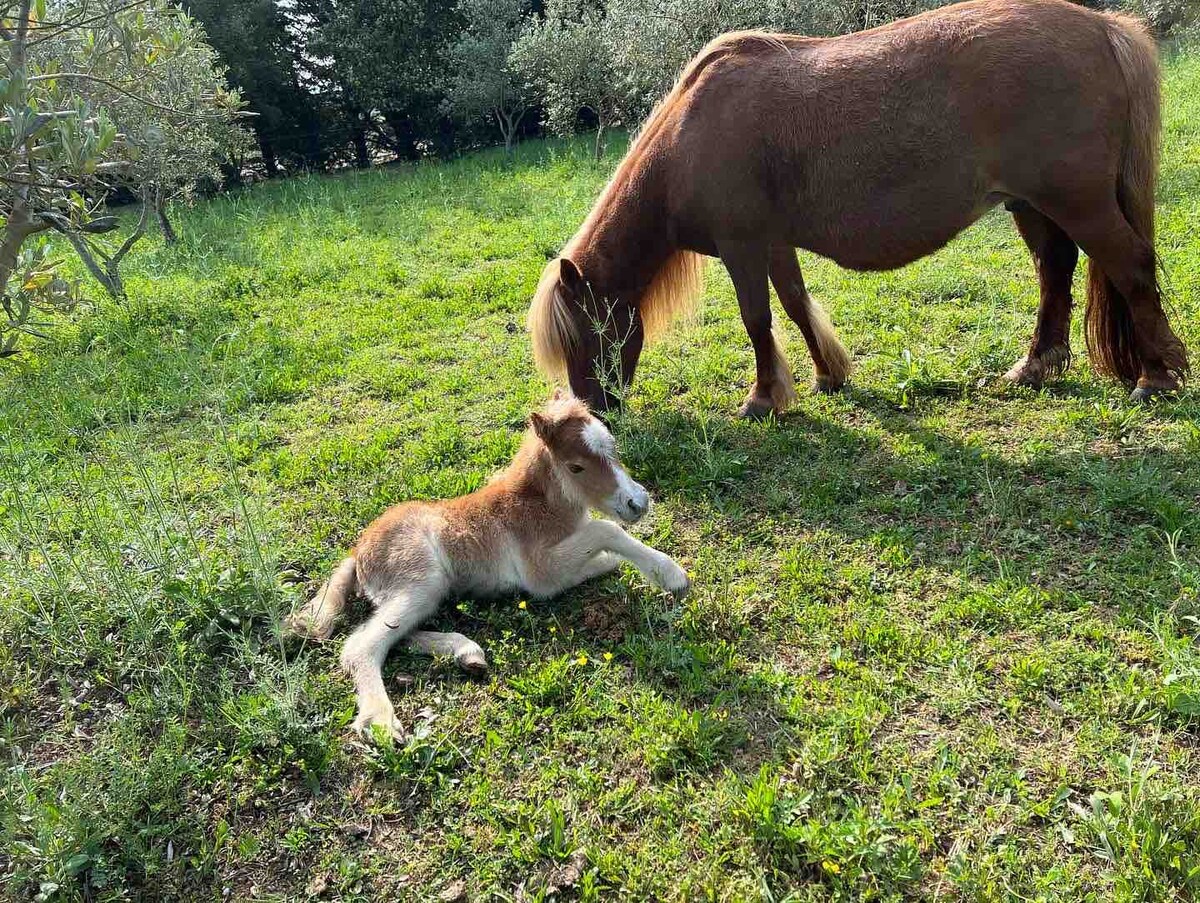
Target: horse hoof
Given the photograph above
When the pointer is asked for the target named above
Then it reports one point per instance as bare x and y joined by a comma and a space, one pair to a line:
1147, 394
1023, 374
823, 385
752, 409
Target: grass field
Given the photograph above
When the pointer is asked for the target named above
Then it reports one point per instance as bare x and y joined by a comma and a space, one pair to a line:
942, 643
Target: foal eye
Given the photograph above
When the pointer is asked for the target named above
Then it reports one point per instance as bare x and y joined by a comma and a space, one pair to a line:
575, 468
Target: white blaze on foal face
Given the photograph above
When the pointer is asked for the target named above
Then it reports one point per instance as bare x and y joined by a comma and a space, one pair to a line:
585, 457
627, 499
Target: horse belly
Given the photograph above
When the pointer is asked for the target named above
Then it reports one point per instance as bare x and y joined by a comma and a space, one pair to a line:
869, 226
885, 236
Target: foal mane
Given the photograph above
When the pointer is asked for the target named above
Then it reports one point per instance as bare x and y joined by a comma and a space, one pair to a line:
675, 288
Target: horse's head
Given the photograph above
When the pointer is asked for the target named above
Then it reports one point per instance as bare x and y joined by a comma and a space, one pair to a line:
583, 335
584, 456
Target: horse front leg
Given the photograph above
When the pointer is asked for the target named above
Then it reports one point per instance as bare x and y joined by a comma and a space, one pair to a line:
831, 363
1055, 256
774, 389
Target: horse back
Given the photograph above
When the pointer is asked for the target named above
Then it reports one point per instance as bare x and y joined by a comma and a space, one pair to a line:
878, 147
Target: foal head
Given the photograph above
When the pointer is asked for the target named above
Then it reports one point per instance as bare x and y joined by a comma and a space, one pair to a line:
584, 457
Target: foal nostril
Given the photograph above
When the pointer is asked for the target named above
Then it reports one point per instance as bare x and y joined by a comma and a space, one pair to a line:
636, 507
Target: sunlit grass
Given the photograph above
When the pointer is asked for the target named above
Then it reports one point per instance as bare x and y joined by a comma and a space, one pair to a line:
942, 642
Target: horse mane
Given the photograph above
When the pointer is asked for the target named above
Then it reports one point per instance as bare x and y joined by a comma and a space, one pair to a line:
550, 324
676, 287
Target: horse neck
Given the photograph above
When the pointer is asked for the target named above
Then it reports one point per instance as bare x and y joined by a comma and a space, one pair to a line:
623, 243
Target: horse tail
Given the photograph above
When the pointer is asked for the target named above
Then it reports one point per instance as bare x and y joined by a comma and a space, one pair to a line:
1108, 321
551, 326
320, 616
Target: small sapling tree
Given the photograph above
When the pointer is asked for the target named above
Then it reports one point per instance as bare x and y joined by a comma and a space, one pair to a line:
94, 96
484, 81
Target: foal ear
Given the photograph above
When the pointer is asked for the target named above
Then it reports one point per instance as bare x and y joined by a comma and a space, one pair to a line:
543, 426
569, 275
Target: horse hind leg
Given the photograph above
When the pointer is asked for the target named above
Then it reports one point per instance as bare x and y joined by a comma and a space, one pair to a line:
1055, 256
1128, 332
831, 363
774, 389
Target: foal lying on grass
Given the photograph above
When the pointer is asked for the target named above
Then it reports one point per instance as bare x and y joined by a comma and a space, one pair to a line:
528, 530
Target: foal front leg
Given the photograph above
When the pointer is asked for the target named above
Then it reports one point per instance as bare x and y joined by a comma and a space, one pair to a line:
596, 548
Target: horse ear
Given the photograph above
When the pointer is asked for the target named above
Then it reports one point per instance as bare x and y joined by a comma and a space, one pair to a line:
569, 275
543, 426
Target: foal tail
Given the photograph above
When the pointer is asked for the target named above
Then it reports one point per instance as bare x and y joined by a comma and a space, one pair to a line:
1108, 321
317, 619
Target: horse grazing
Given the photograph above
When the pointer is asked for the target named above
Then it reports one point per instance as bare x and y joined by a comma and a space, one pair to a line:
875, 149
527, 530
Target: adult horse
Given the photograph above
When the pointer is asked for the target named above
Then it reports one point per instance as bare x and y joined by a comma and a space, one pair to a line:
875, 149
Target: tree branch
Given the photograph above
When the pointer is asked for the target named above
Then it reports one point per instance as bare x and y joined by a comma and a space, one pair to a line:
86, 76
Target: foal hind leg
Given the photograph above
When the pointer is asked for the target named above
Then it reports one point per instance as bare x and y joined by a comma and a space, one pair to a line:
831, 364
399, 610
774, 389
1055, 256
464, 650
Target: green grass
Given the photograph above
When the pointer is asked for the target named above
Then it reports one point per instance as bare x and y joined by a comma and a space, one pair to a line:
942, 643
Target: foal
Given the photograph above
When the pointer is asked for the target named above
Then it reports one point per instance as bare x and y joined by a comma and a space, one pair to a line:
528, 530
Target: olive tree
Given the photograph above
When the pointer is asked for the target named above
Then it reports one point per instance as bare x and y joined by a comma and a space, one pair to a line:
484, 82
571, 56
98, 95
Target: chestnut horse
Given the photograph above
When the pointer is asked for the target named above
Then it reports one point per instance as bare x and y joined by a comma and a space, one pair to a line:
875, 149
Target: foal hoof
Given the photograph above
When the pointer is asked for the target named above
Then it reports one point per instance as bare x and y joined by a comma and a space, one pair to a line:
302, 627
369, 725
473, 661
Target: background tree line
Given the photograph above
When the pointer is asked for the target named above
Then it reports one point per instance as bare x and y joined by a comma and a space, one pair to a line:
351, 82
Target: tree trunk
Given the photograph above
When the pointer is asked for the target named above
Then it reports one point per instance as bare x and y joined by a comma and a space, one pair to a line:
403, 136
509, 123
268, 156
599, 148
164, 223
362, 153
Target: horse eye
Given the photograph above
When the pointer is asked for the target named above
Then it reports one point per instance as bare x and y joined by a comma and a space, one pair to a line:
575, 468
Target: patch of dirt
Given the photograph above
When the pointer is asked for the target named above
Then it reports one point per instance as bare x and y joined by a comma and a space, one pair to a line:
607, 619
